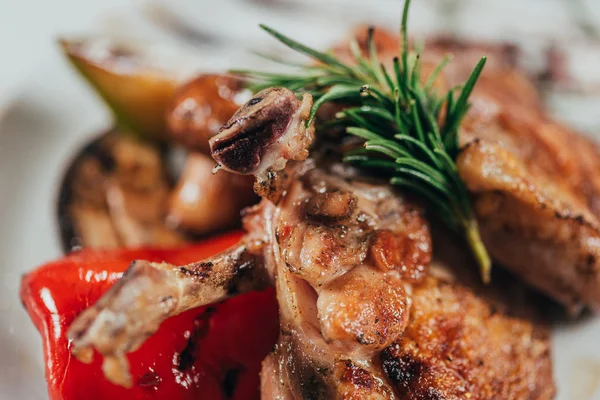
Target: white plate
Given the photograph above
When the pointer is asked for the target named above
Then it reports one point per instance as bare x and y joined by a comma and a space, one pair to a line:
52, 113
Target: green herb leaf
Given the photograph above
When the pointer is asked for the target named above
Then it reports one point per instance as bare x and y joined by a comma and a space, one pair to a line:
406, 136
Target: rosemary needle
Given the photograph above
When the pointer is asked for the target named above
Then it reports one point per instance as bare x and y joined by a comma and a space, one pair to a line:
406, 135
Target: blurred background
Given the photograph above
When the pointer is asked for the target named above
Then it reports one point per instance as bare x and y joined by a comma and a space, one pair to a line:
559, 39
47, 112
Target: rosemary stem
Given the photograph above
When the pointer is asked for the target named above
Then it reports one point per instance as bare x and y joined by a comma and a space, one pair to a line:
399, 120
478, 248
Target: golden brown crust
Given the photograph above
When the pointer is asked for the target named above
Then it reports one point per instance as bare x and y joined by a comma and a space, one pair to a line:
535, 183
536, 197
368, 308
356, 383
459, 346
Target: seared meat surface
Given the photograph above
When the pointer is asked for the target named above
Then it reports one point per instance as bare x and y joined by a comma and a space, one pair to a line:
390, 333
353, 331
361, 317
337, 308
535, 183
535, 190
458, 345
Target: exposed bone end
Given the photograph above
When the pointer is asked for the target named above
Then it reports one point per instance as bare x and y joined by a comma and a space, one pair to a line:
124, 317
260, 139
118, 322
149, 293
247, 138
114, 367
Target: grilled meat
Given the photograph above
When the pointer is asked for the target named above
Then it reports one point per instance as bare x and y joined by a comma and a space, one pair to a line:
386, 333
352, 331
535, 191
535, 184
460, 344
360, 317
148, 294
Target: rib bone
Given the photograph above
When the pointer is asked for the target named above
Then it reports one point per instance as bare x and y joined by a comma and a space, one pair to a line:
149, 293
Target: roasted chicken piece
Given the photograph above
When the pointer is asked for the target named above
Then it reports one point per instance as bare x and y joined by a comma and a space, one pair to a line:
535, 190
115, 326
349, 259
352, 328
462, 343
535, 183
457, 343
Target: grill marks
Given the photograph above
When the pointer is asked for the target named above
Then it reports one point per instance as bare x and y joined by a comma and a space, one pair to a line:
462, 344
402, 370
200, 270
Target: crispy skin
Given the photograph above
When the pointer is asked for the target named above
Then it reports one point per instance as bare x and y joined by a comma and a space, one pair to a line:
467, 340
459, 346
535, 183
349, 258
535, 187
337, 309
454, 338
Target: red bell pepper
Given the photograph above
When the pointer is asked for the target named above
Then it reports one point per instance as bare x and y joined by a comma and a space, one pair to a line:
208, 353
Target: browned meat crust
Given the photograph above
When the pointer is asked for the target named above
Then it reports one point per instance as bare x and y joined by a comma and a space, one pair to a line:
535, 189
535, 183
351, 328
459, 345
360, 318
455, 339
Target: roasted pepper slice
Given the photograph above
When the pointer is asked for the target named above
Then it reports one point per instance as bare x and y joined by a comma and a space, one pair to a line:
208, 353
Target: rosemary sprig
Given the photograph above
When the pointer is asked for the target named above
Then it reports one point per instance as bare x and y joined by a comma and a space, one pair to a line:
406, 134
